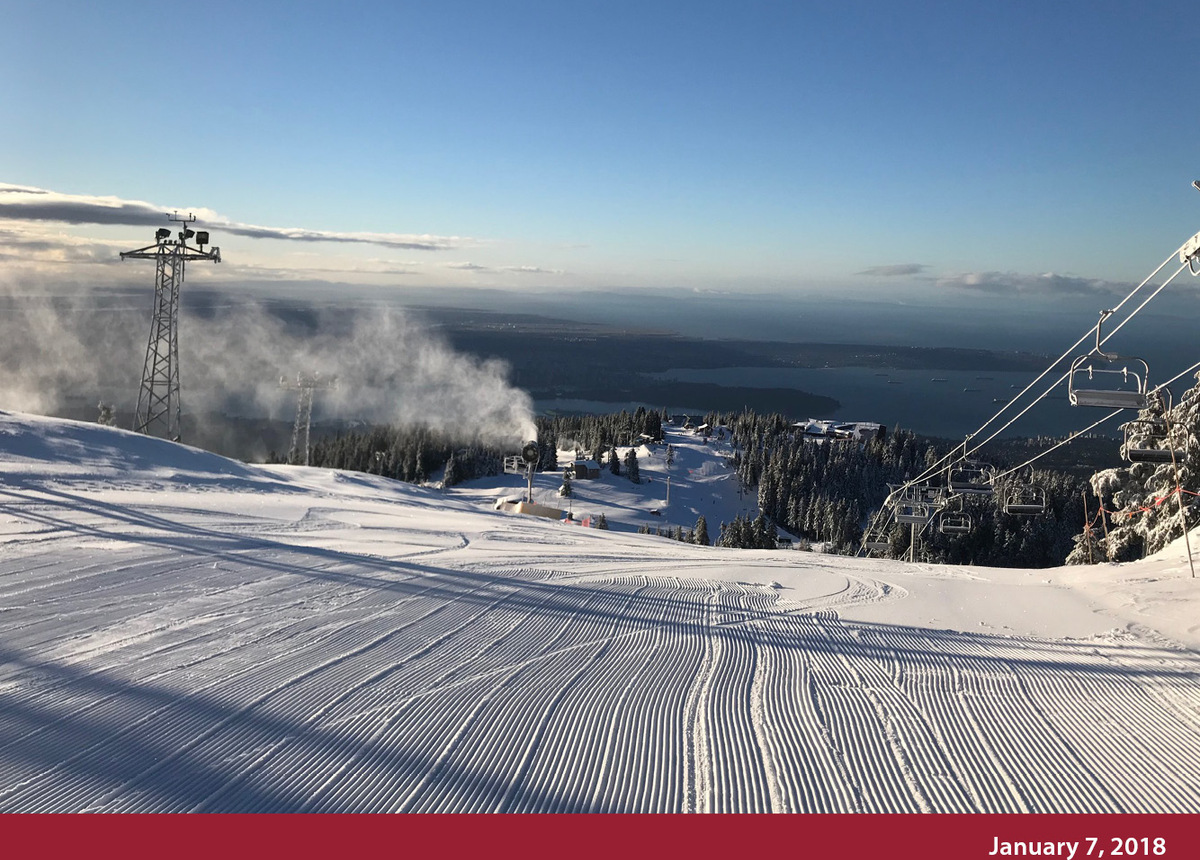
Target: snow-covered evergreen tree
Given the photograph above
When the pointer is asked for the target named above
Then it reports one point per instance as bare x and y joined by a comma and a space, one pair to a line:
454, 472
1089, 548
547, 449
1142, 500
631, 466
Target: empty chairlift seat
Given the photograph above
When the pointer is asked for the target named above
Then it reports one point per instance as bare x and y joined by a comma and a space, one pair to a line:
913, 513
1149, 440
954, 523
1025, 500
1106, 379
915, 505
970, 477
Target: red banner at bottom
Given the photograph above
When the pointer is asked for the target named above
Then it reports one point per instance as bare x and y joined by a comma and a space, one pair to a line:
969, 837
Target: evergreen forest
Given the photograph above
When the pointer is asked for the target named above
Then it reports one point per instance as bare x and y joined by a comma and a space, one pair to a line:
824, 490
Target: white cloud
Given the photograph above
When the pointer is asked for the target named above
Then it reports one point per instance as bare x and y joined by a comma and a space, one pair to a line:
531, 270
1047, 284
896, 270
23, 203
24, 245
42, 231
250, 270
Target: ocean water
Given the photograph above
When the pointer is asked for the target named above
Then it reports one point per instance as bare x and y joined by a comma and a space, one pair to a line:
1165, 334
948, 404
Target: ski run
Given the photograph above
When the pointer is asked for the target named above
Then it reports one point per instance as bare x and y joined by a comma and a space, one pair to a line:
185, 633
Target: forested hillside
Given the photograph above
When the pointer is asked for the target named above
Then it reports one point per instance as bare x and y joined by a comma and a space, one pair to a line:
822, 490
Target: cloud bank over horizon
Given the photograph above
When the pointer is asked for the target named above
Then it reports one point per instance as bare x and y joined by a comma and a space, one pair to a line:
54, 240
27, 203
896, 270
51, 240
1046, 284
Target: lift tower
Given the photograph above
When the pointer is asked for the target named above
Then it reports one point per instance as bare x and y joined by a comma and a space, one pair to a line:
306, 384
158, 399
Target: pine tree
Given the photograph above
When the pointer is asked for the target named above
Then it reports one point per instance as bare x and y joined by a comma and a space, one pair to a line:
547, 449
565, 490
701, 536
1089, 548
106, 417
1144, 498
763, 533
631, 466
614, 462
654, 426
602, 522
454, 472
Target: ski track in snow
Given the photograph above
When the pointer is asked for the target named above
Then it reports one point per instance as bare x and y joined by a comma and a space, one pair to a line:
261, 666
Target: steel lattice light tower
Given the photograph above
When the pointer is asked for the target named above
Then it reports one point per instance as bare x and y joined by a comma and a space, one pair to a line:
158, 399
306, 384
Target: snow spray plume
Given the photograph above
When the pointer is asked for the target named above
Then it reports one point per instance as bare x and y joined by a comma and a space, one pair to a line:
59, 354
390, 369
66, 355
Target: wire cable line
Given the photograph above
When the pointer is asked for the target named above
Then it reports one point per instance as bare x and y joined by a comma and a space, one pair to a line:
1187, 254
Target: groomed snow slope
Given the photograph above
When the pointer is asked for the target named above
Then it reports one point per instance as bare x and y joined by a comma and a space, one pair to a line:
181, 632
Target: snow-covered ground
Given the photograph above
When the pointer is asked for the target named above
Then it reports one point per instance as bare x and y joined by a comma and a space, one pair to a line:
182, 632
700, 479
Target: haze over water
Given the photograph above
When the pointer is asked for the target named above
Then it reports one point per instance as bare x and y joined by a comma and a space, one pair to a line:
1163, 335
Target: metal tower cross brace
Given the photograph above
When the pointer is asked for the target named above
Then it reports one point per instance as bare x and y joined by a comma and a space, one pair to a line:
158, 408
306, 384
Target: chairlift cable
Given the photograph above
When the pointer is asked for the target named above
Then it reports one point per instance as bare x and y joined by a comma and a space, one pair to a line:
1087, 429
1178, 376
1066, 441
1103, 341
937, 467
1147, 301
941, 463
1071, 349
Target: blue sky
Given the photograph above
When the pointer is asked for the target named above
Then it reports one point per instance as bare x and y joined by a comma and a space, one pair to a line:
933, 148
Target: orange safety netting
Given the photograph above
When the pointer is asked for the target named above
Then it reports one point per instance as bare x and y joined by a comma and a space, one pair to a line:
1141, 509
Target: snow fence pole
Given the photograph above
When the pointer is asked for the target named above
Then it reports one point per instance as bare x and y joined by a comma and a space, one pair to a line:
1187, 543
1087, 527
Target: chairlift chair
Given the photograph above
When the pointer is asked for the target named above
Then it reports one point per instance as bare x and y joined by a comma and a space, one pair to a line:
878, 545
954, 523
1148, 440
913, 513
914, 505
971, 477
1025, 500
1108, 380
